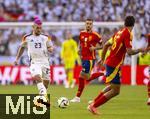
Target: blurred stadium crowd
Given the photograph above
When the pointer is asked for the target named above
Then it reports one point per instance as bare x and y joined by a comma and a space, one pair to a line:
70, 10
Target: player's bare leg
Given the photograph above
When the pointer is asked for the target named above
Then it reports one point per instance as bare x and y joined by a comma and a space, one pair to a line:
112, 92
46, 83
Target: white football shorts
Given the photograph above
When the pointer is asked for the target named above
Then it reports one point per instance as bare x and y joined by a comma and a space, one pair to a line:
40, 69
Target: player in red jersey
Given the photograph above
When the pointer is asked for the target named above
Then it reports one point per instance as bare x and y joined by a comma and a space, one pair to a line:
120, 44
89, 42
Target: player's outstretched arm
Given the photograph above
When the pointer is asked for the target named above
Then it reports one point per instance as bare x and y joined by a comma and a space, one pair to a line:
20, 52
97, 47
104, 51
50, 46
136, 51
105, 48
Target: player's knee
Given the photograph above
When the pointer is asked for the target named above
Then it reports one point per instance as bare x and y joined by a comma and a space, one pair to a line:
37, 78
46, 82
84, 75
116, 92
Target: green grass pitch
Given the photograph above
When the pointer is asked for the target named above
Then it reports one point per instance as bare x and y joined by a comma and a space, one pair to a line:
130, 104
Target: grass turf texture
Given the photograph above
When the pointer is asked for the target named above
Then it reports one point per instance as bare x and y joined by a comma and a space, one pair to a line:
130, 104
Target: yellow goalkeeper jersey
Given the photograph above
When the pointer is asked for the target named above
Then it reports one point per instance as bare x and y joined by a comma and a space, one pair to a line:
69, 50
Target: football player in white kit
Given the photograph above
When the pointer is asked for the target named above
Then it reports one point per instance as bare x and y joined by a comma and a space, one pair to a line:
38, 46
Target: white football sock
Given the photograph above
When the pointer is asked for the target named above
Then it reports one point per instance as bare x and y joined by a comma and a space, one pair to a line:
41, 88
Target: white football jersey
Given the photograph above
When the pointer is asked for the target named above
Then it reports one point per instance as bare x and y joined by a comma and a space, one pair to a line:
37, 47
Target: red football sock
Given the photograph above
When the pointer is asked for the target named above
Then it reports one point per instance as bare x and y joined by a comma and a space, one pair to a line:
81, 86
148, 89
95, 75
100, 101
106, 89
101, 93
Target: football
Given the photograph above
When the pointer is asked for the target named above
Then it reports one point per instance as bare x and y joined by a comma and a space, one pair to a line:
63, 102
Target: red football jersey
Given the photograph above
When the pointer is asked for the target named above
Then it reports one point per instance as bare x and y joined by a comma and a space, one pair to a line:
86, 41
120, 41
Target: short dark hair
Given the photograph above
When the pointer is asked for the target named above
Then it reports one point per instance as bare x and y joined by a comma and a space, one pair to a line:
89, 19
129, 21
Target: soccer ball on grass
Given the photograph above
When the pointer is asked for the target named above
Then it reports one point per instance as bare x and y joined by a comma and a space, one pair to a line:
63, 102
